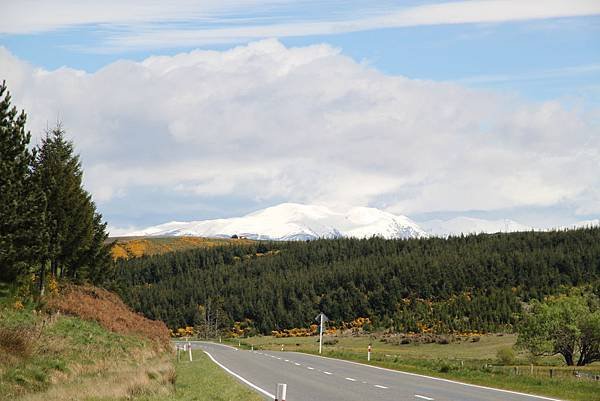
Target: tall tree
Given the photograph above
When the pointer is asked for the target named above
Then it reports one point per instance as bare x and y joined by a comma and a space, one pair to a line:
569, 326
21, 201
76, 247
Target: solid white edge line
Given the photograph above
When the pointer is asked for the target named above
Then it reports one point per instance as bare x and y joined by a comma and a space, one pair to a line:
423, 397
254, 386
541, 397
211, 343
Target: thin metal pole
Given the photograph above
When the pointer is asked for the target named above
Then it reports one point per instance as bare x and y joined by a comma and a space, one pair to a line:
321, 336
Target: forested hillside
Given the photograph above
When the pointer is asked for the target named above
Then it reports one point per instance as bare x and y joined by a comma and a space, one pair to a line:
462, 283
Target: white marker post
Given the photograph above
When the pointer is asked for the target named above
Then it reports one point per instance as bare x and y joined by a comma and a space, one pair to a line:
369, 353
321, 318
281, 392
190, 350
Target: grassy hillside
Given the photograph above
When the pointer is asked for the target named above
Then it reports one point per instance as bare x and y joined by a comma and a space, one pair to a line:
133, 247
83, 343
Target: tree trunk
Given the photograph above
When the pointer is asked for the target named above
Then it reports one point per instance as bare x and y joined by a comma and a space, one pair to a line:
42, 283
568, 358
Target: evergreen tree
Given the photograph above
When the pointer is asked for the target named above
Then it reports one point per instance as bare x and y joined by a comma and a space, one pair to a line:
76, 233
21, 201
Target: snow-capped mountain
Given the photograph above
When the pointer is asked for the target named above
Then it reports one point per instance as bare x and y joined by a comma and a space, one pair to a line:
469, 225
292, 221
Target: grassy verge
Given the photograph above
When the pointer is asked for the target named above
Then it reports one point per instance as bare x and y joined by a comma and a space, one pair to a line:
61, 358
469, 362
101, 351
202, 380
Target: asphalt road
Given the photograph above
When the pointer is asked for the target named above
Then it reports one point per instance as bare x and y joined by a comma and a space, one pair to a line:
311, 378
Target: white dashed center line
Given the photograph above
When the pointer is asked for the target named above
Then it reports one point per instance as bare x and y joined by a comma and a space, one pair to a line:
350, 379
380, 386
296, 363
309, 368
328, 373
423, 397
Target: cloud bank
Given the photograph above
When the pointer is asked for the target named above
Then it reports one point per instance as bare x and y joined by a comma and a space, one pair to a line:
262, 123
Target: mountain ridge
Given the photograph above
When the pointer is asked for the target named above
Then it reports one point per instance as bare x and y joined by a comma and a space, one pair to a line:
293, 221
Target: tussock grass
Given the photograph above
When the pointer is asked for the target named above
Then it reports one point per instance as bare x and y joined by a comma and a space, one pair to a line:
100, 350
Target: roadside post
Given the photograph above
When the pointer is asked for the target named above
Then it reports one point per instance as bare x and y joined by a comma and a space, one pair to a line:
321, 318
281, 392
369, 353
190, 350
178, 353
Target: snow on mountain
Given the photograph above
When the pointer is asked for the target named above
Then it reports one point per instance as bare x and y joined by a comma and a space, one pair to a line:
469, 225
292, 221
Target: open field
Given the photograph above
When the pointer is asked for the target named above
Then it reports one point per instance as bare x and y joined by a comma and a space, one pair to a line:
132, 247
472, 362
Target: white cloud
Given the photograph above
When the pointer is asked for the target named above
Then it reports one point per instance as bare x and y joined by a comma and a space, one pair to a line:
264, 123
152, 24
446, 13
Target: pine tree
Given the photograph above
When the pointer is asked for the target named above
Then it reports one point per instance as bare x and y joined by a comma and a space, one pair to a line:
21, 201
76, 233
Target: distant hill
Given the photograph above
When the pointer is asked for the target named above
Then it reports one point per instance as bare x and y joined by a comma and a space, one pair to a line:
293, 221
453, 284
133, 247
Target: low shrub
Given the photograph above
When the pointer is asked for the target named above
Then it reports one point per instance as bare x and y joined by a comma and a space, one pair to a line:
506, 356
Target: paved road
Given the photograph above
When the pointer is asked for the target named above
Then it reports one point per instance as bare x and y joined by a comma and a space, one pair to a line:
311, 378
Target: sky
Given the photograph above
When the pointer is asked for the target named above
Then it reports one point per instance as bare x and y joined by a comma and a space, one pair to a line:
197, 109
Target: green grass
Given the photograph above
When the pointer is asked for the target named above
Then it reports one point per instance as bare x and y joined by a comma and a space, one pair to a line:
54, 348
60, 358
203, 380
470, 362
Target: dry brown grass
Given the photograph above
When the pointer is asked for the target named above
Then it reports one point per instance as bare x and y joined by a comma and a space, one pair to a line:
14, 341
118, 381
106, 308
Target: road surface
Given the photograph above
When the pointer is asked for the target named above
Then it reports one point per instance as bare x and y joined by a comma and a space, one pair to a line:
312, 378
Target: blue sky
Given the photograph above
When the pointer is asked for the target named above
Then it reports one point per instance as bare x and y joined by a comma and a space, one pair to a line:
541, 59
539, 54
